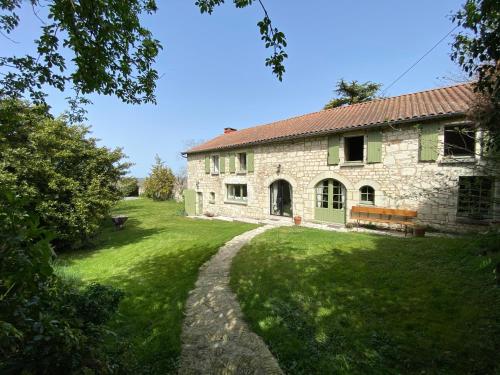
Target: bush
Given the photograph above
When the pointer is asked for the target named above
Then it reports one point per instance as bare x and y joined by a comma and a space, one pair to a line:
160, 183
47, 326
129, 187
61, 173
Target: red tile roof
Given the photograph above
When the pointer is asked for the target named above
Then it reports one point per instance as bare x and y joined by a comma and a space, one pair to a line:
435, 103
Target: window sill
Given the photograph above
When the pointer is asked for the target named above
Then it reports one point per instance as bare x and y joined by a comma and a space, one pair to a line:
215, 174
352, 164
211, 202
458, 160
241, 173
241, 203
366, 203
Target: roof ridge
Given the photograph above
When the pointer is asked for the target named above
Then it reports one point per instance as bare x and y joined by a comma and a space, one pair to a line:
355, 104
398, 96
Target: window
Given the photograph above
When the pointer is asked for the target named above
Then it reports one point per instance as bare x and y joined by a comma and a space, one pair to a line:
367, 195
459, 141
354, 148
475, 197
215, 164
237, 192
211, 197
242, 161
337, 197
322, 194
329, 189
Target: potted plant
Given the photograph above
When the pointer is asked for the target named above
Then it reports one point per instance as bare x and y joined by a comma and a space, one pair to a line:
297, 220
419, 230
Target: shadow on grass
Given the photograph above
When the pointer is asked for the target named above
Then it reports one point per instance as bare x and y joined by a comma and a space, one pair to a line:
110, 237
354, 303
152, 311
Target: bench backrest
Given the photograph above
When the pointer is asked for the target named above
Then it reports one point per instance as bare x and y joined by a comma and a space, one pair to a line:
383, 211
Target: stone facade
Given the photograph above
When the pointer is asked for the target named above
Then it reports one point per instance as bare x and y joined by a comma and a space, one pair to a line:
400, 180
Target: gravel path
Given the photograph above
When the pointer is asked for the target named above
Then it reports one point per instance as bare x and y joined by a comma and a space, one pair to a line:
215, 339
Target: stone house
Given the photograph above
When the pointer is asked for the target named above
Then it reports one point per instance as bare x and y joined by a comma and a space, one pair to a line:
416, 151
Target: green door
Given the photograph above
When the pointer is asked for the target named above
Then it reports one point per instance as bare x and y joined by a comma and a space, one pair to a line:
330, 202
190, 202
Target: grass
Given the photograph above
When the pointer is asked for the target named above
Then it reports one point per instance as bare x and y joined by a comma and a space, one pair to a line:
348, 303
155, 260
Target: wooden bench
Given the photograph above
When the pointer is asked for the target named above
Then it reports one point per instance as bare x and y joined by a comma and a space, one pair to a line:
384, 215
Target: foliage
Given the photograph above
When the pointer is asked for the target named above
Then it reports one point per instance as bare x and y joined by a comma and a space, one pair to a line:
477, 48
46, 326
111, 53
66, 179
351, 303
159, 185
155, 259
99, 47
353, 92
129, 186
272, 37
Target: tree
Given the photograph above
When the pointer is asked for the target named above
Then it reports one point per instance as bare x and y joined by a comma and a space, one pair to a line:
99, 47
159, 185
60, 173
47, 326
477, 50
129, 186
353, 92
477, 47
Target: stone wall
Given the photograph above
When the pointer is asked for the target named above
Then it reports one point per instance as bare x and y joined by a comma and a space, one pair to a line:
400, 180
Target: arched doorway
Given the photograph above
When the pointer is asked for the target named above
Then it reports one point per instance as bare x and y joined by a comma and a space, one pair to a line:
281, 198
330, 201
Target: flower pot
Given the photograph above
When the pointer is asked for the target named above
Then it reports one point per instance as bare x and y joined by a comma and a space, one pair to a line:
419, 231
297, 220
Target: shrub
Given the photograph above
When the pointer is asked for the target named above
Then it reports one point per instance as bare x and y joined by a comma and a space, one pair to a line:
61, 173
129, 186
46, 326
160, 183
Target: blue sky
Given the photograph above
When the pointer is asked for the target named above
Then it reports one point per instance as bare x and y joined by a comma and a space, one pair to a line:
214, 74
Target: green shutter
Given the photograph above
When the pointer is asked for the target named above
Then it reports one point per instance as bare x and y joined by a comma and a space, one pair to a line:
428, 147
232, 163
222, 163
374, 146
333, 149
250, 161
207, 164
190, 202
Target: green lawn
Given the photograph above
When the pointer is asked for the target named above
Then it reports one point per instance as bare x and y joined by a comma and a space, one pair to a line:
155, 260
348, 303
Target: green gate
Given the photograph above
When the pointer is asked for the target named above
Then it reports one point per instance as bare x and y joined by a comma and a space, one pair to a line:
330, 202
190, 202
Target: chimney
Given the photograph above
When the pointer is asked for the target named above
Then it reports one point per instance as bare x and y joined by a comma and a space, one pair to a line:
229, 130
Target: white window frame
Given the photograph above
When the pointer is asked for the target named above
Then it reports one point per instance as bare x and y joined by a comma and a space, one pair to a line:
232, 189
215, 164
242, 167
361, 193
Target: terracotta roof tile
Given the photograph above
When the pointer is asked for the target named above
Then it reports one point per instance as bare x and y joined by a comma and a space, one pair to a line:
445, 101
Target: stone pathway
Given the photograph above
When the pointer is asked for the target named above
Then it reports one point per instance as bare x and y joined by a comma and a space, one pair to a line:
215, 339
